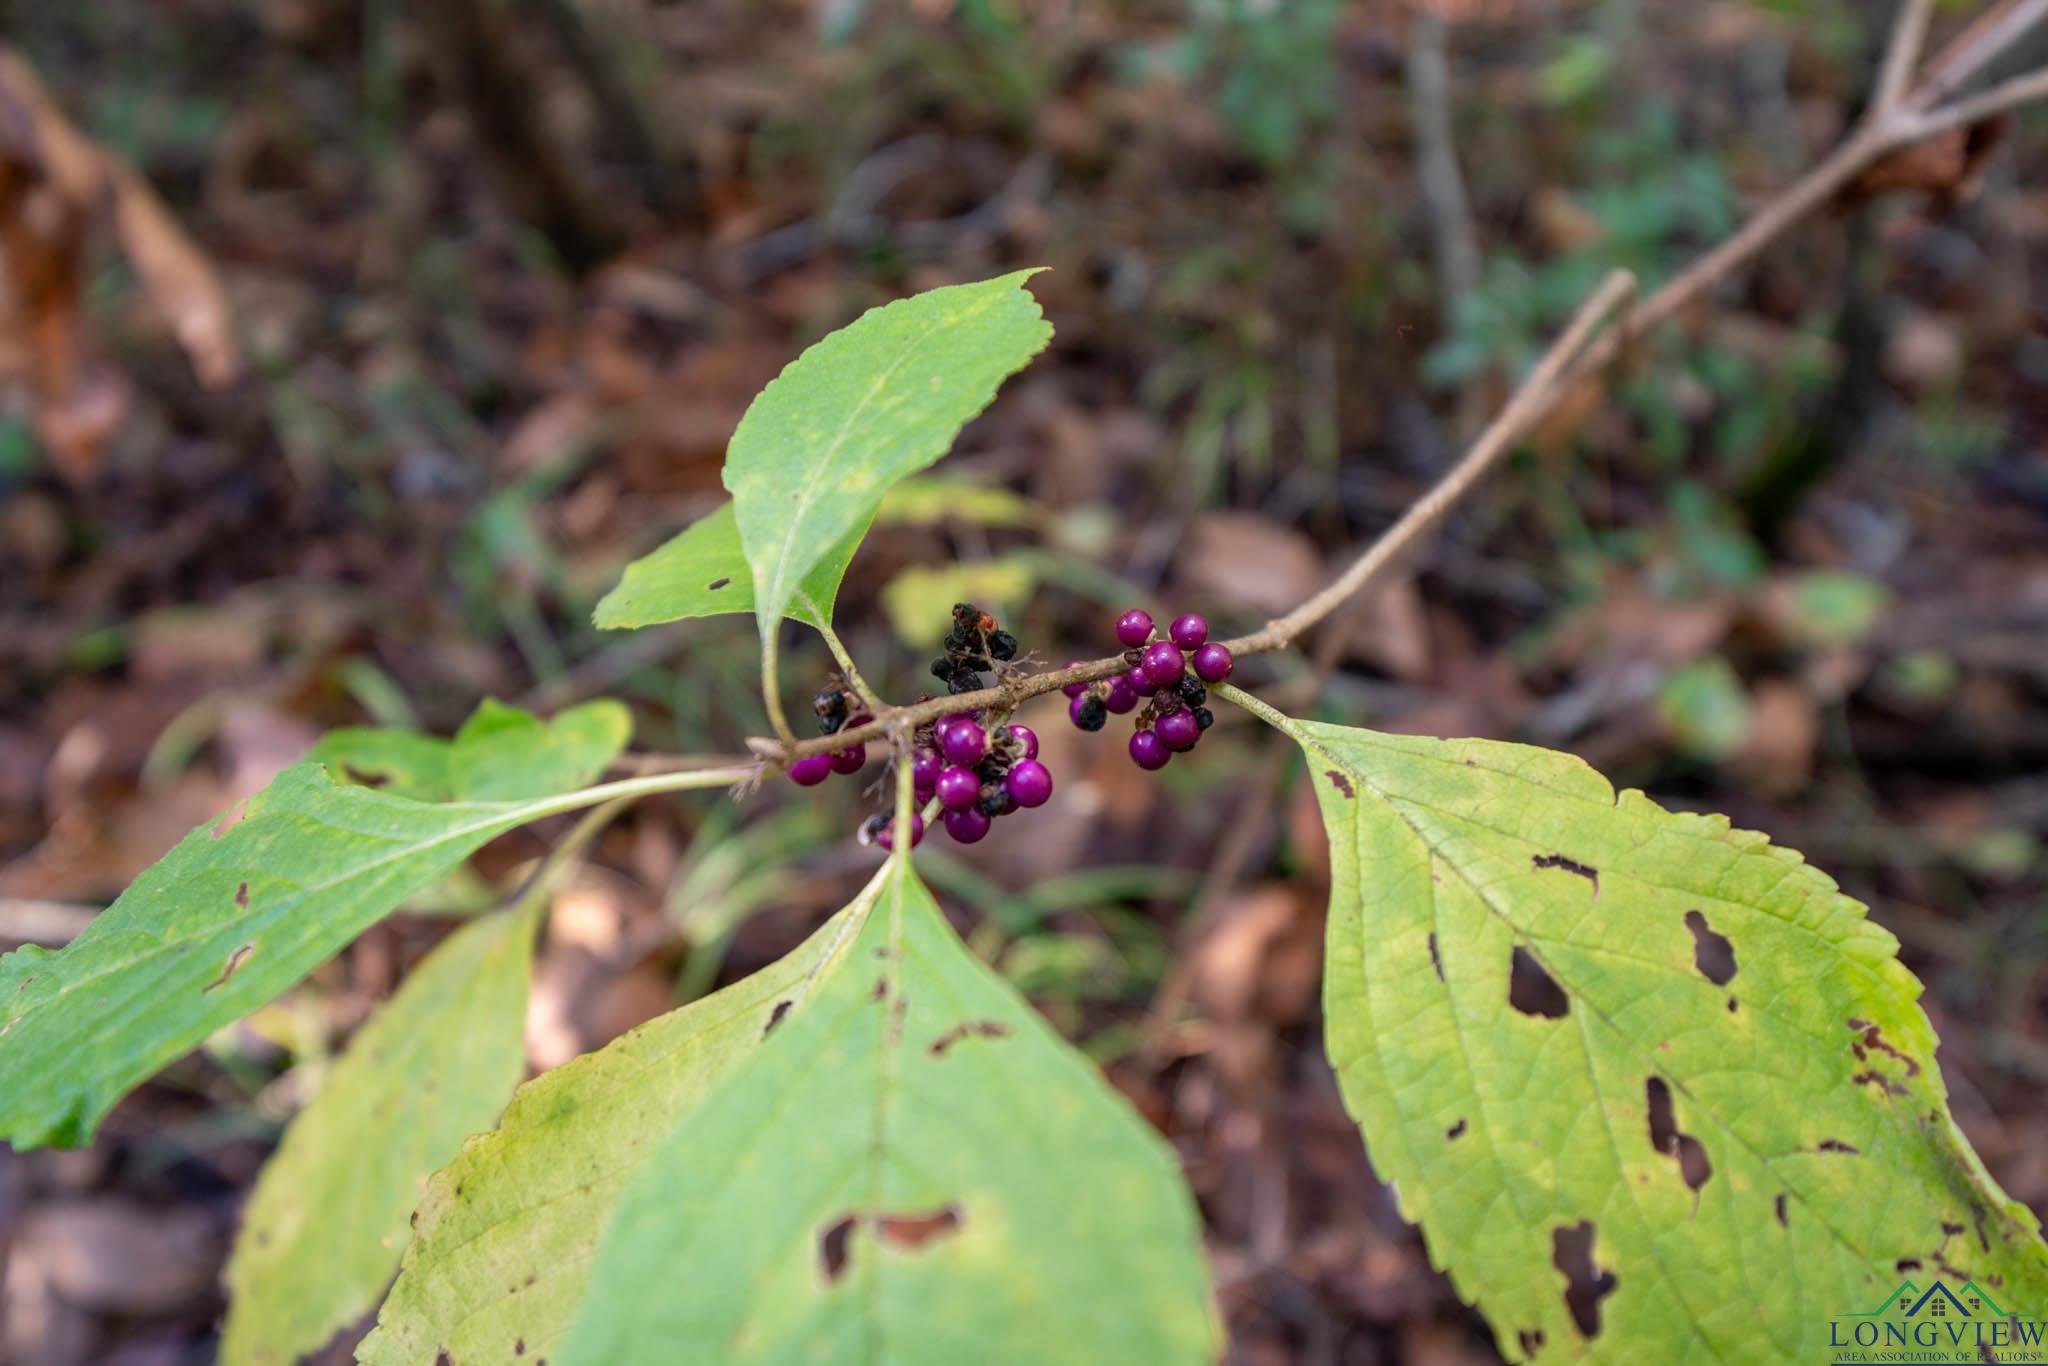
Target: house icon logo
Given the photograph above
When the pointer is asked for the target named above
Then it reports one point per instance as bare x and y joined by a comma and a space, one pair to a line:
1938, 1323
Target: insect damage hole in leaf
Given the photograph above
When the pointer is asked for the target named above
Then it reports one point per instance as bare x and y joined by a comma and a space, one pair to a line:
986, 1029
1534, 991
1666, 1137
1571, 1252
832, 1247
1712, 954
1539, 862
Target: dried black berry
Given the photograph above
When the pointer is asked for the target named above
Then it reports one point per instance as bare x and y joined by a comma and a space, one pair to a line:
978, 663
964, 681
829, 702
1002, 645
1088, 712
1204, 717
829, 725
943, 667
966, 613
1192, 692
997, 801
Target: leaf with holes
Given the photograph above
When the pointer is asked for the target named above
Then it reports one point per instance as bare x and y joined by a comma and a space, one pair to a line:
1654, 1088
501, 753
702, 572
912, 1168
239, 911
877, 400
504, 1235
328, 1220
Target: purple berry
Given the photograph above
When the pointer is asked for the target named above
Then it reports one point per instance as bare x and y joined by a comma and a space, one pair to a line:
1026, 739
849, 760
1074, 689
1162, 664
926, 767
1123, 695
1030, 783
958, 789
1178, 730
1134, 627
966, 826
886, 837
811, 770
1213, 663
1148, 751
964, 743
1140, 684
1190, 631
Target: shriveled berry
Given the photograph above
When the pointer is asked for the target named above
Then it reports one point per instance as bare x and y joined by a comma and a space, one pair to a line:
886, 836
1026, 739
829, 702
1192, 692
967, 826
926, 767
943, 667
1087, 712
1204, 717
964, 743
964, 681
1148, 751
966, 613
1134, 627
1162, 664
1123, 696
997, 801
1189, 631
811, 770
1213, 662
1002, 645
1178, 730
1074, 689
957, 789
1030, 783
849, 760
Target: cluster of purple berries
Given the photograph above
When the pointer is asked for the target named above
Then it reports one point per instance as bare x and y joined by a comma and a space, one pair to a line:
977, 774
836, 712
1167, 675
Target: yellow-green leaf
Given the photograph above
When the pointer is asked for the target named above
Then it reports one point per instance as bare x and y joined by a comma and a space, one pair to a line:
1655, 1089
503, 1240
912, 1168
505, 754
328, 1222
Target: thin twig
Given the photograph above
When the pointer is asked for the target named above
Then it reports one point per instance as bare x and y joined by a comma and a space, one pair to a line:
1997, 100
1988, 38
1909, 35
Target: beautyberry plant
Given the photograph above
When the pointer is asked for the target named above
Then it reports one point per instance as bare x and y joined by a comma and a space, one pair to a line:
1653, 1088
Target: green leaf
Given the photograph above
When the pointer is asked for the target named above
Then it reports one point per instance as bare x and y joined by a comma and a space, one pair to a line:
325, 1228
505, 754
504, 1236
912, 1168
702, 572
236, 913
401, 762
501, 753
1654, 1088
877, 400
